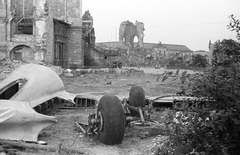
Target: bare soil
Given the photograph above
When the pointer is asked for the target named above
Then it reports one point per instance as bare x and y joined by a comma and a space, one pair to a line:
66, 139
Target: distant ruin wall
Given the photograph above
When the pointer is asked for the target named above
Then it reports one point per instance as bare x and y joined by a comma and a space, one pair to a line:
128, 31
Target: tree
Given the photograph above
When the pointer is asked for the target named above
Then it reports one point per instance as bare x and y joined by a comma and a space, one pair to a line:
220, 84
226, 52
234, 25
199, 61
210, 125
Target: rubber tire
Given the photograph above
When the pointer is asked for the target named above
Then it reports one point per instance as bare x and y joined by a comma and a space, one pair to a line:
136, 98
113, 120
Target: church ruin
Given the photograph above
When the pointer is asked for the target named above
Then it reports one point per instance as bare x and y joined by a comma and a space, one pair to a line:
128, 31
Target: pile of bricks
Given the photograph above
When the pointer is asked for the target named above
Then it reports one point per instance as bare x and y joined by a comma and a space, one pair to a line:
7, 67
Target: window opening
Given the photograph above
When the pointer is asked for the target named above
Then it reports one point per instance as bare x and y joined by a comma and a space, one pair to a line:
23, 26
11, 89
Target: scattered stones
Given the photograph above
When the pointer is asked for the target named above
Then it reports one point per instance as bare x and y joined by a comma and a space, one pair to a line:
109, 83
144, 135
68, 70
7, 67
68, 73
58, 69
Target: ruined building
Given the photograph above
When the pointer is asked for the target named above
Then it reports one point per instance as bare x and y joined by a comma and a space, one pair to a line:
128, 31
95, 55
42, 30
88, 29
88, 37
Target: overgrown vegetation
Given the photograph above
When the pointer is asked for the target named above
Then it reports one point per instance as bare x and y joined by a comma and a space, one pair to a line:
235, 25
199, 61
211, 124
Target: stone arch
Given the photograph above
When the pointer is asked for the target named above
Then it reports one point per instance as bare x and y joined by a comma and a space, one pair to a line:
140, 28
128, 31
22, 53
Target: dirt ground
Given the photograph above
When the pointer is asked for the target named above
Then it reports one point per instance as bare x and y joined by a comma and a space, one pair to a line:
66, 139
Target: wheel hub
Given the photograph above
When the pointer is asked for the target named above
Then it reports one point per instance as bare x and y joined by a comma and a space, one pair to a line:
100, 118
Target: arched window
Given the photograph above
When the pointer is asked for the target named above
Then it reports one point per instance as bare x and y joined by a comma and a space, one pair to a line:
22, 12
22, 26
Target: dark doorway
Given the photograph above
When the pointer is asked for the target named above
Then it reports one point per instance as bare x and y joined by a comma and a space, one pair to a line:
60, 47
60, 54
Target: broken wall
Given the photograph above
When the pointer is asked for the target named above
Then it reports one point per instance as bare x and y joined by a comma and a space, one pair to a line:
76, 54
41, 39
41, 19
70, 11
2, 21
35, 12
22, 8
3, 44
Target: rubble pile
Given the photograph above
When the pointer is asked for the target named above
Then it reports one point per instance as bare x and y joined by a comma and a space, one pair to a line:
58, 69
137, 57
7, 67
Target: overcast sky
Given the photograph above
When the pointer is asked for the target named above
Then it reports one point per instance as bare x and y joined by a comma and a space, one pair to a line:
184, 22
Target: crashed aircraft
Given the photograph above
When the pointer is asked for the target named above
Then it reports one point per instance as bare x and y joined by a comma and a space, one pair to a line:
32, 91
28, 90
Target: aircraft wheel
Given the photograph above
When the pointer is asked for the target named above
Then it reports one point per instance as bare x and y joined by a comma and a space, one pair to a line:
112, 120
136, 98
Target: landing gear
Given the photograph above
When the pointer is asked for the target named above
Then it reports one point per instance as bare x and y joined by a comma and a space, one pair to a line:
136, 98
111, 120
113, 115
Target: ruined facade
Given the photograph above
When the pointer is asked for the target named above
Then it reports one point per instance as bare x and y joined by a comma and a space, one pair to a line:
42, 30
128, 31
88, 29
88, 38
94, 55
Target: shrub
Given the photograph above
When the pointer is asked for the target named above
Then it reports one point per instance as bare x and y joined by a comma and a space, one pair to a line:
211, 124
199, 61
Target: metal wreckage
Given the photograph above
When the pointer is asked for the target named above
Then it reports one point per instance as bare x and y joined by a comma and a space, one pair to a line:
32, 91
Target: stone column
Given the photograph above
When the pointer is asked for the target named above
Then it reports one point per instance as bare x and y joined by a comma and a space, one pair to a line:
74, 17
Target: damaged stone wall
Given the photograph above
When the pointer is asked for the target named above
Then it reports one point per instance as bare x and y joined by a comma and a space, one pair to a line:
3, 44
22, 8
70, 11
3, 49
31, 47
91, 55
67, 10
88, 29
49, 34
127, 32
41, 40
76, 54
40, 16
2, 22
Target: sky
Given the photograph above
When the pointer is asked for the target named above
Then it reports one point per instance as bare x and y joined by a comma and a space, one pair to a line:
182, 22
